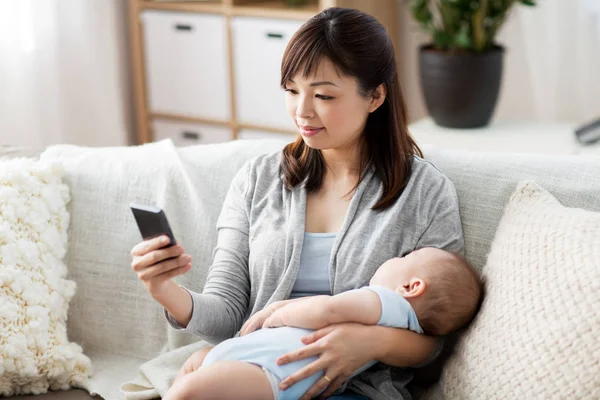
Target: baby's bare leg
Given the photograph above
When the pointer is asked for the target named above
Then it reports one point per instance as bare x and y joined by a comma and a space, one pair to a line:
223, 380
193, 363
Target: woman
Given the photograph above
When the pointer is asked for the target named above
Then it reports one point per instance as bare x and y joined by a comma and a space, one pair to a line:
319, 218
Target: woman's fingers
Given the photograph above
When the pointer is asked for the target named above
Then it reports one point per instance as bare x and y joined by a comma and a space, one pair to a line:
164, 267
333, 386
319, 386
149, 245
172, 274
140, 263
157, 256
156, 264
303, 373
300, 354
316, 335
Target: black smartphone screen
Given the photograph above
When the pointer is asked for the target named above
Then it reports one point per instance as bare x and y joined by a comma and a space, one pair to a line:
152, 222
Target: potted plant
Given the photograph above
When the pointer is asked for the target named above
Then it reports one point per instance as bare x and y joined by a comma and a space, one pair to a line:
461, 68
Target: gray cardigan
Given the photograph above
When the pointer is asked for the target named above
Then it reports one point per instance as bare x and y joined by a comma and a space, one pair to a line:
260, 234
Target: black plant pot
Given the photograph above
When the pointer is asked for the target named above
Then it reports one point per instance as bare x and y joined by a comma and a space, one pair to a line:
460, 88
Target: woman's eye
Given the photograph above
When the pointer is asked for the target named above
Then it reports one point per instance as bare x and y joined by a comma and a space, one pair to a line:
291, 91
323, 97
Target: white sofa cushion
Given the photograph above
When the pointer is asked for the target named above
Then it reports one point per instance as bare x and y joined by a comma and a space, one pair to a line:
536, 335
35, 353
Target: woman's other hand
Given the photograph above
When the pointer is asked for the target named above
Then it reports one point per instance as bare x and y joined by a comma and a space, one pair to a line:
341, 348
156, 266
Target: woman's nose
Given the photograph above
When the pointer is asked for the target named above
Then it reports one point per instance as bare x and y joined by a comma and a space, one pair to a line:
304, 108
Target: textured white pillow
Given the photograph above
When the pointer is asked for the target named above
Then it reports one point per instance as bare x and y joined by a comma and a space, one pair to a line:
537, 333
35, 354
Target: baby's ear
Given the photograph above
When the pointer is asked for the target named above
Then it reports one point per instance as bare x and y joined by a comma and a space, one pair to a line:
401, 290
414, 288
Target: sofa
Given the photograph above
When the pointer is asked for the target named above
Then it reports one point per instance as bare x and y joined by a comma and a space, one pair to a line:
135, 354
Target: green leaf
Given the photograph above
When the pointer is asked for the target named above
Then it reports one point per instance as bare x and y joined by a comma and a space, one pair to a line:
421, 13
462, 39
442, 39
466, 24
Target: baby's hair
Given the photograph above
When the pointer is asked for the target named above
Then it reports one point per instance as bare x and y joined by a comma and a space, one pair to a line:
454, 294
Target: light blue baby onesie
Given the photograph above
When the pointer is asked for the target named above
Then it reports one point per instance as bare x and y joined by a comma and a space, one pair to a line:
264, 346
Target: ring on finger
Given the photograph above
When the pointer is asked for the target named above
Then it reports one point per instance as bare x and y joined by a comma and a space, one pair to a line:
328, 379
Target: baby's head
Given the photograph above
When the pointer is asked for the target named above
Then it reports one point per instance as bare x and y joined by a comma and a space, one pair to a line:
442, 287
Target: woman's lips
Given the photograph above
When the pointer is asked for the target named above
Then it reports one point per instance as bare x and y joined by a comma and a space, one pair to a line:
308, 131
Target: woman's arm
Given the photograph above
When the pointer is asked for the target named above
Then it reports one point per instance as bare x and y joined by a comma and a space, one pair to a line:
177, 302
401, 347
217, 313
442, 228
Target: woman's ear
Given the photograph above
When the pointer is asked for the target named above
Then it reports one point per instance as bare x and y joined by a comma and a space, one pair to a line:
414, 288
378, 97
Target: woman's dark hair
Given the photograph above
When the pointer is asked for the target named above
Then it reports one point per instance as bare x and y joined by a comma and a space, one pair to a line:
358, 46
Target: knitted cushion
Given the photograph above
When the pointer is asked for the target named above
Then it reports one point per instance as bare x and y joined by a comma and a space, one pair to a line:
536, 335
35, 353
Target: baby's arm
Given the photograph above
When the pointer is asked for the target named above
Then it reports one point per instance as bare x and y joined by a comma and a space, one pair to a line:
316, 312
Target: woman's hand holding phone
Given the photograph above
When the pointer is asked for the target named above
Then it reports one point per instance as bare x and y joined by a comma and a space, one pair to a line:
156, 265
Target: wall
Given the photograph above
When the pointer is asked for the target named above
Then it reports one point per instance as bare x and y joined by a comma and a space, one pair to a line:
64, 73
96, 74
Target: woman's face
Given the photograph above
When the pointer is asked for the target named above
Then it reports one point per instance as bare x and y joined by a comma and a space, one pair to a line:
327, 107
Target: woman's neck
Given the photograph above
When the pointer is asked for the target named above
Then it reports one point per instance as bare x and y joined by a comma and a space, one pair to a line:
343, 164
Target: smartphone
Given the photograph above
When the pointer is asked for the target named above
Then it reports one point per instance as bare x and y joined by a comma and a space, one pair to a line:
152, 222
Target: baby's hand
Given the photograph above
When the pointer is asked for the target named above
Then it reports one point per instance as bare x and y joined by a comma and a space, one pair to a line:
256, 321
275, 320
